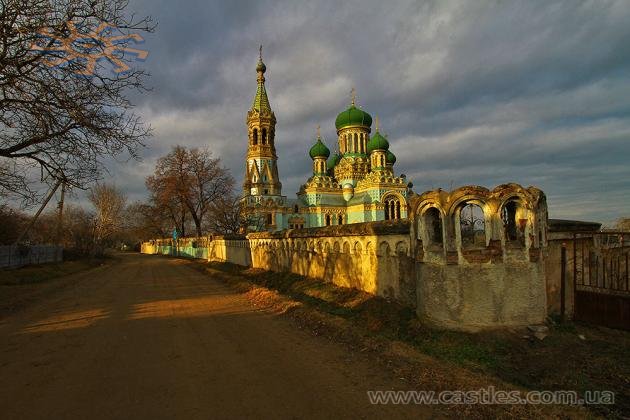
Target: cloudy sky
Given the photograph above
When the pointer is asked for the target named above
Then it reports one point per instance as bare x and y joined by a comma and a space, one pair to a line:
482, 92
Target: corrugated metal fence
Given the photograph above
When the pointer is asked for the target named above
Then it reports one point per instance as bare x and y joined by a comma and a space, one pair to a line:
19, 255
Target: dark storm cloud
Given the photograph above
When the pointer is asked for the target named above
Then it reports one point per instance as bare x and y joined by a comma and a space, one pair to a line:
467, 92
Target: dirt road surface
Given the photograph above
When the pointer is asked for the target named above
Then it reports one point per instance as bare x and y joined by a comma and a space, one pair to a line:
147, 337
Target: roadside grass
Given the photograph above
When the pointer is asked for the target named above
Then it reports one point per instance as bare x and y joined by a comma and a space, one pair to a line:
43, 272
561, 361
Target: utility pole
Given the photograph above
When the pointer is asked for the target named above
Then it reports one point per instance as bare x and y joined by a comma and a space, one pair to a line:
34, 219
58, 238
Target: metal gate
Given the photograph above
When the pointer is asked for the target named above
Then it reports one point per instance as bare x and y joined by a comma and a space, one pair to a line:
601, 288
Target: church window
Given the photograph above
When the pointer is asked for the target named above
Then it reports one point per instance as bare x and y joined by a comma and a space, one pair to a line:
269, 218
340, 219
255, 137
328, 220
356, 142
392, 208
264, 136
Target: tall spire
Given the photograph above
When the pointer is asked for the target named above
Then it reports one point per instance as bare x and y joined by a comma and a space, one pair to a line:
261, 101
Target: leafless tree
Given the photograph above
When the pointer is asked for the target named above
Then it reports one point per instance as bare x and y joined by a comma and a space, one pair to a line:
109, 203
190, 180
51, 119
226, 215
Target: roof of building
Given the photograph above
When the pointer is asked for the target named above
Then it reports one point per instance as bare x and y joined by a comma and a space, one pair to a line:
353, 116
390, 157
377, 142
261, 101
319, 149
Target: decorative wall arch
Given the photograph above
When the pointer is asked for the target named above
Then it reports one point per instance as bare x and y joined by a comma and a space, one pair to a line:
384, 249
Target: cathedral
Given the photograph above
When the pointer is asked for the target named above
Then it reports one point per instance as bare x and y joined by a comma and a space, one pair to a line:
355, 184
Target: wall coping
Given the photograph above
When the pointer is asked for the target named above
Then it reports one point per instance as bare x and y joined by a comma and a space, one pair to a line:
561, 225
386, 227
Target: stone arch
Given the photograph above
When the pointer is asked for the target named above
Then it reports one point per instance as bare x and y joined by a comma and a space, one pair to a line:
514, 218
431, 225
346, 247
357, 247
471, 221
336, 247
369, 248
401, 248
384, 249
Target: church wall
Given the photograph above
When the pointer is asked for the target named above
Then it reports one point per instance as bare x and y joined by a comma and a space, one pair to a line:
373, 257
424, 261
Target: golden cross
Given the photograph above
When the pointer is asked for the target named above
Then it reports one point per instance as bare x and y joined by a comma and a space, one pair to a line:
260, 52
318, 135
376, 122
353, 94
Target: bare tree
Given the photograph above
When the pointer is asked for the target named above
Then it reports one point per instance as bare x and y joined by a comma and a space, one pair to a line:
109, 203
50, 118
192, 179
226, 215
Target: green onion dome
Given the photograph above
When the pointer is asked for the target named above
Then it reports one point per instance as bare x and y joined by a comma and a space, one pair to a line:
334, 160
319, 149
390, 157
353, 116
377, 142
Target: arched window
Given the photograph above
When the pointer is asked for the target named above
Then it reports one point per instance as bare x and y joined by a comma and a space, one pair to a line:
514, 222
264, 136
472, 226
392, 208
269, 218
345, 143
356, 142
328, 220
255, 137
433, 226
340, 219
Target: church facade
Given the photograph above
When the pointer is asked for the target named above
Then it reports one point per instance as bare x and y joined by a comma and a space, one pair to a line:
355, 184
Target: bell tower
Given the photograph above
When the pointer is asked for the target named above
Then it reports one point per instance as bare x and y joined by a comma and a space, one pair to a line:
261, 171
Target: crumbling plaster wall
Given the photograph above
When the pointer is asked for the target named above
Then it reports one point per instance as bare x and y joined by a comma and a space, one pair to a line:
500, 282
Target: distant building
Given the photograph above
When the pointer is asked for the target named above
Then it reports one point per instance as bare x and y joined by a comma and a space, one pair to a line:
356, 184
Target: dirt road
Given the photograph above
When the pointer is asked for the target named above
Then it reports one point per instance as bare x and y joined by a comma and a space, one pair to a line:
148, 337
